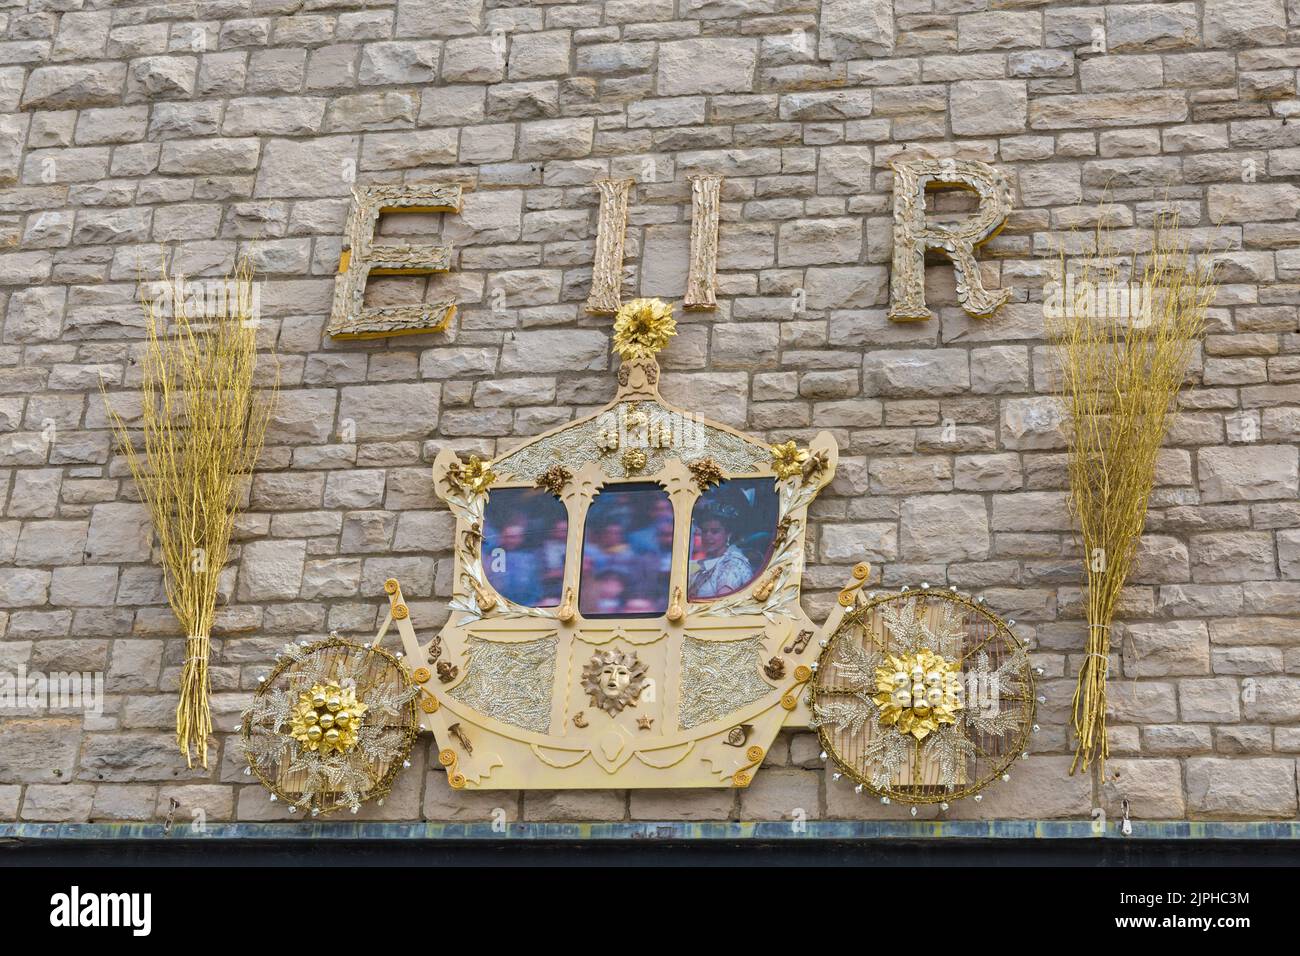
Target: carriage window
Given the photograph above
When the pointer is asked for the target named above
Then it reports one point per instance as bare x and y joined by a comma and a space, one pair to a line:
733, 528
525, 531
627, 552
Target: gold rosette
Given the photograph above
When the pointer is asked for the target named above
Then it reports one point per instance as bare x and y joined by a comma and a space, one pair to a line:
327, 718
642, 328
918, 692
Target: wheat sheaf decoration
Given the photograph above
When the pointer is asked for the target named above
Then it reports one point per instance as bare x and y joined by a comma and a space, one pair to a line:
203, 417
1125, 330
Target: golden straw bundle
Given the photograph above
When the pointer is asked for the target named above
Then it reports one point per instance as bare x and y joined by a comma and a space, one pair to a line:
1125, 334
202, 426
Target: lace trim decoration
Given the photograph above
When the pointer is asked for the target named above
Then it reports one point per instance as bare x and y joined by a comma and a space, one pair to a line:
719, 678
510, 682
575, 446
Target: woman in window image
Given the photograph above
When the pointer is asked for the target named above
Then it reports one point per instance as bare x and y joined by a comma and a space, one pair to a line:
722, 568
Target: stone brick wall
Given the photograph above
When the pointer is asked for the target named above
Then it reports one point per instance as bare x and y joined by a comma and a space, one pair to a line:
202, 130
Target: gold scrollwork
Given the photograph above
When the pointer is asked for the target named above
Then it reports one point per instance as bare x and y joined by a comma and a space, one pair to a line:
848, 595
802, 674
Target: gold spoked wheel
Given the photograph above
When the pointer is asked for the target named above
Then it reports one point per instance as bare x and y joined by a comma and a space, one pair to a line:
923, 696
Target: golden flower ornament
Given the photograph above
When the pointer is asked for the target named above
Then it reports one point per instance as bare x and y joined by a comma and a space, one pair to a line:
642, 327
327, 718
788, 459
918, 692
475, 476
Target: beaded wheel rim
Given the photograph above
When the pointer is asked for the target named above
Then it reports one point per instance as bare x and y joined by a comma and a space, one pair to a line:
993, 632
407, 722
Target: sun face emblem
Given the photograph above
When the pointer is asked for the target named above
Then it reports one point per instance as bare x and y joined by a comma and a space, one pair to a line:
614, 680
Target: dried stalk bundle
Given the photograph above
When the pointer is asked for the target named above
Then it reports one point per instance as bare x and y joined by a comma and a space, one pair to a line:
201, 430
1125, 335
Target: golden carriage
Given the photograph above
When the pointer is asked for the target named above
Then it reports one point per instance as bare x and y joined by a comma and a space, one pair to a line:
607, 645
626, 614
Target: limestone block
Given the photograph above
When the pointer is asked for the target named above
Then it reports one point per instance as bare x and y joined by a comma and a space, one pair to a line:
270, 570
119, 532
706, 65
1241, 789
1248, 473
948, 527
74, 87
983, 107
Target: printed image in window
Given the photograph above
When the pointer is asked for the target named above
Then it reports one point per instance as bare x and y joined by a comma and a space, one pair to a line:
627, 552
525, 531
733, 527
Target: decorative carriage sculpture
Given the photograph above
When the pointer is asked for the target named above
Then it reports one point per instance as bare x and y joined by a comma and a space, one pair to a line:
625, 609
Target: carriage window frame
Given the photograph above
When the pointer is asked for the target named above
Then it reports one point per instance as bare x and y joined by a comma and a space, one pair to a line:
585, 581
762, 486
548, 600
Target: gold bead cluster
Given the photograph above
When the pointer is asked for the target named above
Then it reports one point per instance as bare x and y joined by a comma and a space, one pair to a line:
327, 719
